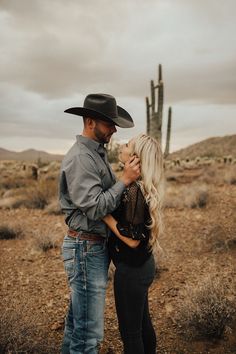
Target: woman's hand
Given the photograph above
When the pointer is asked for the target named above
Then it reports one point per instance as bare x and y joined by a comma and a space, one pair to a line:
111, 223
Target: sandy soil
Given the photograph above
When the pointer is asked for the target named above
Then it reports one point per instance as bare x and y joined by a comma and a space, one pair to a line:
33, 282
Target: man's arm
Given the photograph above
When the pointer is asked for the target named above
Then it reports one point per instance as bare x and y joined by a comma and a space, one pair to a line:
131, 170
86, 190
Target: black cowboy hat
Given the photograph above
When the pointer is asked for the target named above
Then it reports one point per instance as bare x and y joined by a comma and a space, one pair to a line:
104, 107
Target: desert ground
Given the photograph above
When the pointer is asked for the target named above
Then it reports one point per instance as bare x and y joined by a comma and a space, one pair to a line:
193, 297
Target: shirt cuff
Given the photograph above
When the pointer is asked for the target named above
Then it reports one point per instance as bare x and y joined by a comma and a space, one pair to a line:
119, 188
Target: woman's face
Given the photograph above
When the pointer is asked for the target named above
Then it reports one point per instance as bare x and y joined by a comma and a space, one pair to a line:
125, 151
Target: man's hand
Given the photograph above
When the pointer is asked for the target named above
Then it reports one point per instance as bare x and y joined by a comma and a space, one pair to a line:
131, 170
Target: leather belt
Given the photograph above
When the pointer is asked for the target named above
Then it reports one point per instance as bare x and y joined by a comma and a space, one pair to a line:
85, 235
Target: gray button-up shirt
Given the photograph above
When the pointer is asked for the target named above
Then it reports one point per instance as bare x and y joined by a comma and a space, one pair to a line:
88, 189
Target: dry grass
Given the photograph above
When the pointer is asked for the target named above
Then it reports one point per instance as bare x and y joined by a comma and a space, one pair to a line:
53, 208
206, 309
220, 239
19, 189
186, 196
9, 233
219, 175
36, 196
13, 182
230, 175
44, 242
20, 335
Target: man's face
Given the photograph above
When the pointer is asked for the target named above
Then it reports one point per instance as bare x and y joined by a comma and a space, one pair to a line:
103, 131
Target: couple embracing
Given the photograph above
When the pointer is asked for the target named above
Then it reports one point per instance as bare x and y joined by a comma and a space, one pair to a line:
109, 219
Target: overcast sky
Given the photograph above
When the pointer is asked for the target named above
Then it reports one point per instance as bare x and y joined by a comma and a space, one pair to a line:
54, 52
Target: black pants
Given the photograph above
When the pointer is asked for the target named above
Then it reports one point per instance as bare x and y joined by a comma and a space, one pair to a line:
131, 297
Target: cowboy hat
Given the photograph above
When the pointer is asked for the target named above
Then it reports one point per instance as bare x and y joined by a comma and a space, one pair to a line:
104, 107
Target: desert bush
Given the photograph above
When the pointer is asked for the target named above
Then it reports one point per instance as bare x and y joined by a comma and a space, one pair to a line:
219, 239
196, 197
37, 196
190, 196
44, 242
53, 208
219, 175
206, 309
11, 202
230, 175
13, 182
9, 233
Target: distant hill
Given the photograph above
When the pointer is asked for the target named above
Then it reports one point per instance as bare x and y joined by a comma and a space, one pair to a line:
217, 146
29, 155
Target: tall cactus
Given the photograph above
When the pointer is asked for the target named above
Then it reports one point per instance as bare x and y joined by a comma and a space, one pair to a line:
154, 110
167, 149
155, 107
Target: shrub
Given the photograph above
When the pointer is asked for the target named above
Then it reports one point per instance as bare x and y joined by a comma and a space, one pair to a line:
207, 308
230, 175
13, 182
39, 195
196, 197
53, 208
190, 196
44, 242
9, 233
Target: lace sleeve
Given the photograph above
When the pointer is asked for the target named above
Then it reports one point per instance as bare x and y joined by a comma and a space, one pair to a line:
133, 214
134, 205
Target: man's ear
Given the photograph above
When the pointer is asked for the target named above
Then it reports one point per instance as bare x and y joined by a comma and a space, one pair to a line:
90, 122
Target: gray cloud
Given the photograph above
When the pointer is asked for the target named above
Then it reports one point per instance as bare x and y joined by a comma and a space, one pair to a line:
54, 53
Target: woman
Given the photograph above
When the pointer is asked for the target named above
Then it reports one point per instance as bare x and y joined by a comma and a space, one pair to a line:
135, 227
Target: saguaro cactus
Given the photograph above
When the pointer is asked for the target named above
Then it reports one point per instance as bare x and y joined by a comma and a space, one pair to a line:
167, 149
154, 111
155, 107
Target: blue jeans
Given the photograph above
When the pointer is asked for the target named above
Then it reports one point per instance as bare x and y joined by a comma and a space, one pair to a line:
86, 265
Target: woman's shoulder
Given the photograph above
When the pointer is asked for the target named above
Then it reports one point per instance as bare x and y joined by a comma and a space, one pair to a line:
134, 194
134, 187
132, 191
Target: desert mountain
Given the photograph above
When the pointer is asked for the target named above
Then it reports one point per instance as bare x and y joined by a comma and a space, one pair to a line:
216, 146
28, 155
212, 147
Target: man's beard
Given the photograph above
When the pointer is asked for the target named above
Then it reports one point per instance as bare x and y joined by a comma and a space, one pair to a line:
101, 137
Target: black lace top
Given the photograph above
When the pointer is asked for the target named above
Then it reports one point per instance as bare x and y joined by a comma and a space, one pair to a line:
133, 217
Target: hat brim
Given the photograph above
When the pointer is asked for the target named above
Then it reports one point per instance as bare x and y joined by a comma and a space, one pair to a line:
123, 120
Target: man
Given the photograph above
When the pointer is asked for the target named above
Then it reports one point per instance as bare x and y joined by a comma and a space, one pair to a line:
88, 192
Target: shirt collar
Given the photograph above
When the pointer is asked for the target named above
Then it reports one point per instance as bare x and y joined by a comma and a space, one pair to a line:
90, 143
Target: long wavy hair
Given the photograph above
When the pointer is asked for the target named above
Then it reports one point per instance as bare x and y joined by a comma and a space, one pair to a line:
151, 182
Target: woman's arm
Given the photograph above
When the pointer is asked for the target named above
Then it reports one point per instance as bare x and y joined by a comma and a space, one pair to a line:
111, 223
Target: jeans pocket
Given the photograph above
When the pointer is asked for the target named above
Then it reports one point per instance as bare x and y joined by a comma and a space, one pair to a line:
68, 255
96, 247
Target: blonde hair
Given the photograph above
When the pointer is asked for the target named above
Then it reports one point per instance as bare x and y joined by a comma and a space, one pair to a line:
149, 151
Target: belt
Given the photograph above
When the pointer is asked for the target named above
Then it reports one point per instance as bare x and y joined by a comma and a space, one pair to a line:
85, 235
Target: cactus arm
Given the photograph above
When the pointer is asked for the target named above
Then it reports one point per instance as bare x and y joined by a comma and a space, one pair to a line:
167, 149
